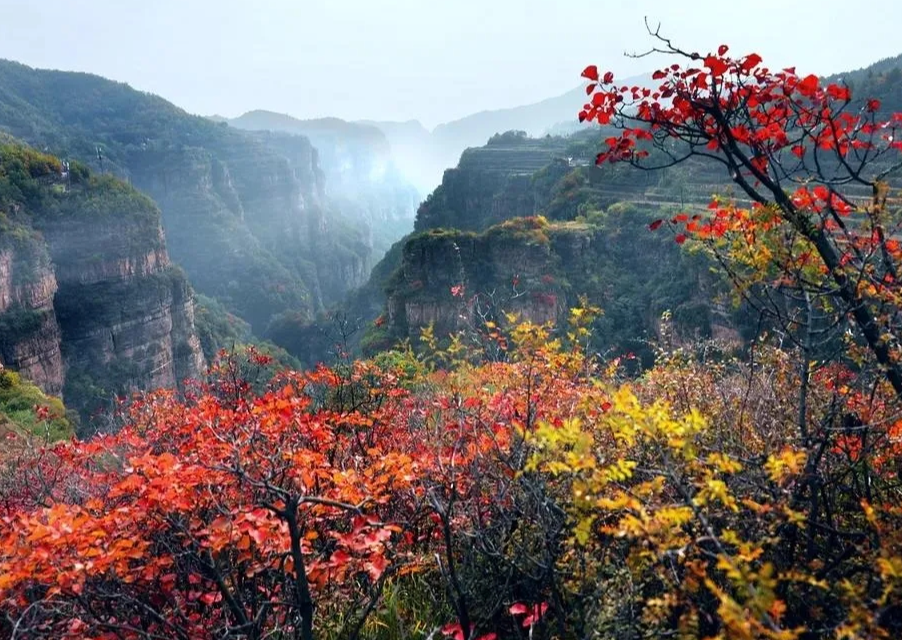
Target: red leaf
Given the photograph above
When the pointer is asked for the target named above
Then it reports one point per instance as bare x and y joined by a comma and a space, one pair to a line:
808, 86
654, 225
590, 88
717, 66
591, 72
722, 49
798, 150
872, 105
658, 75
453, 629
535, 613
376, 566
608, 78
838, 92
751, 61
680, 238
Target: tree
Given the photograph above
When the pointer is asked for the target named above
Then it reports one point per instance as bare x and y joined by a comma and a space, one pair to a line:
813, 165
236, 514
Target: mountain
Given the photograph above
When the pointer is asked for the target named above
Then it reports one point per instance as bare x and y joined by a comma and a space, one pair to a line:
428, 154
247, 216
534, 119
363, 180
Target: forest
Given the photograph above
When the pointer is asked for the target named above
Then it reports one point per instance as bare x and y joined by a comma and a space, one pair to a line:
525, 449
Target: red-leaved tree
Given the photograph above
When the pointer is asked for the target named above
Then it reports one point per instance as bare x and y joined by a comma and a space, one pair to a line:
813, 165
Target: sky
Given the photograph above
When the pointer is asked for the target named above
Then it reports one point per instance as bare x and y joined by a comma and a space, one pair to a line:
431, 60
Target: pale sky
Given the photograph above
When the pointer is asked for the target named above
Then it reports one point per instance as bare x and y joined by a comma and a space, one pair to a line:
433, 60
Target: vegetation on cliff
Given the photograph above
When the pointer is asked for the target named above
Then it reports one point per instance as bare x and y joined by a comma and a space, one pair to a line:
220, 331
26, 410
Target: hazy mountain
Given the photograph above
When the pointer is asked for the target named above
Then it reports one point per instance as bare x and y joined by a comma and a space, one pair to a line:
430, 153
319, 130
363, 175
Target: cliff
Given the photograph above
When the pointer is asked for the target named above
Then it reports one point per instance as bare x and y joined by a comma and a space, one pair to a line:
248, 217
528, 226
29, 332
362, 177
91, 305
511, 176
538, 269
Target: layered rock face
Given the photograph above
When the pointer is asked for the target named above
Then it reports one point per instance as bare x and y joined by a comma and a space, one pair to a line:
90, 304
29, 333
449, 278
126, 314
509, 177
325, 241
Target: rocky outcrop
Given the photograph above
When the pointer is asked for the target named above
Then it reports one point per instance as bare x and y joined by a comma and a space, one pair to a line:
538, 269
511, 176
90, 304
449, 279
29, 333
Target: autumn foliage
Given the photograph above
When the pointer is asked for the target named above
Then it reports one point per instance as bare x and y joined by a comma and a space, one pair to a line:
813, 167
542, 495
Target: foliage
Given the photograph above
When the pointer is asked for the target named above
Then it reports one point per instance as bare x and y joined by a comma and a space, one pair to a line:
508, 137
219, 330
26, 410
542, 493
19, 323
812, 162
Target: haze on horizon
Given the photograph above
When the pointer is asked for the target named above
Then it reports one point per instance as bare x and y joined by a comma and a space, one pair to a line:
409, 59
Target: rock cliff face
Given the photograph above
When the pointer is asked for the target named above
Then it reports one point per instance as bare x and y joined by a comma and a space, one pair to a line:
248, 217
89, 302
29, 333
362, 177
450, 278
509, 177
524, 226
